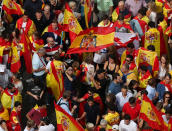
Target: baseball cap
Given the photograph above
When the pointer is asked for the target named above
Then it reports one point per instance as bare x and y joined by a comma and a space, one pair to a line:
2, 67
115, 127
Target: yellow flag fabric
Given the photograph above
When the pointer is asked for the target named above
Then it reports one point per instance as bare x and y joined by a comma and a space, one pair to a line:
65, 122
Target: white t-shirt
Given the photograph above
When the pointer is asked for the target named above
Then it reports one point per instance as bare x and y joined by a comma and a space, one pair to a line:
1, 129
32, 129
131, 127
49, 127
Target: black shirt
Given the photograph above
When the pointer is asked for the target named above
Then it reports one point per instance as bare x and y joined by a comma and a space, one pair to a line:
91, 113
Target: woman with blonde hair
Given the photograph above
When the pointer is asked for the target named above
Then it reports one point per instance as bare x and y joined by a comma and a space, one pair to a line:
151, 12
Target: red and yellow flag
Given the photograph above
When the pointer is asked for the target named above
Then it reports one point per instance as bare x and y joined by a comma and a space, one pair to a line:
26, 51
87, 11
65, 122
11, 7
54, 79
71, 23
92, 40
150, 114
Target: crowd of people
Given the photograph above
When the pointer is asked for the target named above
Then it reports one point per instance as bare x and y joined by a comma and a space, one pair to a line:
101, 90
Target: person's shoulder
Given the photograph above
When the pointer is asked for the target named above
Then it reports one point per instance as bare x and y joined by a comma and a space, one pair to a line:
133, 123
119, 94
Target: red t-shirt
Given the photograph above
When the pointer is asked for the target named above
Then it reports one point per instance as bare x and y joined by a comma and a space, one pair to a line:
133, 112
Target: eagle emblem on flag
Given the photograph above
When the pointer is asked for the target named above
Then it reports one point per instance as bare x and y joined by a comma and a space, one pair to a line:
72, 23
65, 123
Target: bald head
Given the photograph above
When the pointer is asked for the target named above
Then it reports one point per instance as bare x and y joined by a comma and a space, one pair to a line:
121, 5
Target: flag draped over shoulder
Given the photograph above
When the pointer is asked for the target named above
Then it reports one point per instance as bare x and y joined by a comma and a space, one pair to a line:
65, 122
26, 52
150, 114
11, 7
54, 79
87, 11
147, 57
92, 40
71, 23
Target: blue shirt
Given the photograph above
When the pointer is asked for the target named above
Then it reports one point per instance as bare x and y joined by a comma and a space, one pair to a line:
114, 88
151, 92
160, 89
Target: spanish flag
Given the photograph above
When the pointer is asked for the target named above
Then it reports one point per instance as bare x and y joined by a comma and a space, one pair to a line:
15, 59
150, 114
54, 79
65, 122
11, 7
168, 31
26, 52
92, 40
159, 5
147, 58
71, 24
87, 11
36, 44
167, 11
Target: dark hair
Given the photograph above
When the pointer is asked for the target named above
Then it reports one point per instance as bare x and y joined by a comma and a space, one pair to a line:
105, 17
10, 85
2, 121
124, 87
144, 10
131, 84
102, 129
26, 13
141, 11
17, 31
152, 82
90, 98
111, 106
120, 16
160, 17
127, 117
115, 75
91, 89
151, 24
56, 56
131, 57
39, 11
144, 92
113, 57
165, 93
37, 34
132, 100
144, 68
17, 103
168, 111
37, 81
130, 45
151, 47
66, 94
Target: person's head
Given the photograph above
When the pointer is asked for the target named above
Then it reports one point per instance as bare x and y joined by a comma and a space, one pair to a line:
143, 69
25, 16
38, 14
141, 13
100, 74
41, 52
152, 6
168, 113
111, 107
130, 47
133, 84
124, 90
91, 91
117, 77
166, 96
2, 68
121, 5
88, 59
105, 19
103, 123
11, 87
90, 101
129, 59
72, 5
18, 106
144, 92
132, 102
125, 68
167, 78
46, 9
160, 17
164, 59
56, 56
110, 98
53, 2
16, 33
121, 17
127, 119
36, 35
30, 124
69, 70
54, 24
151, 24
50, 41
112, 59
66, 95
90, 127
151, 48
115, 128
170, 2
152, 82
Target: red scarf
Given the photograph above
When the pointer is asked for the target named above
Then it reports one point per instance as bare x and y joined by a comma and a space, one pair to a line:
166, 85
57, 31
28, 25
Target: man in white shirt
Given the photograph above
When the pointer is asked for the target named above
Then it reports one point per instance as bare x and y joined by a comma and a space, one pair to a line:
122, 97
127, 124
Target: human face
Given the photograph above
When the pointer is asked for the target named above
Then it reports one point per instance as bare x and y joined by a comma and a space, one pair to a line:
38, 15
124, 91
167, 97
50, 41
127, 122
128, 61
121, 7
25, 18
135, 86
54, 26
101, 76
167, 80
73, 7
111, 60
47, 9
18, 108
163, 60
106, 21
118, 79
70, 71
168, 116
130, 50
90, 103
123, 69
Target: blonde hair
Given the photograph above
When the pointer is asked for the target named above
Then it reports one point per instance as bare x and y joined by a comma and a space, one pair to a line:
152, 6
72, 3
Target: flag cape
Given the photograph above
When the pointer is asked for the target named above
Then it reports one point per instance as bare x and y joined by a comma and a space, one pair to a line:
143, 79
92, 40
150, 114
115, 15
70, 23
159, 5
147, 57
11, 7
65, 122
26, 51
15, 59
166, 8
36, 44
87, 11
55, 79
168, 31
1, 53
145, 19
